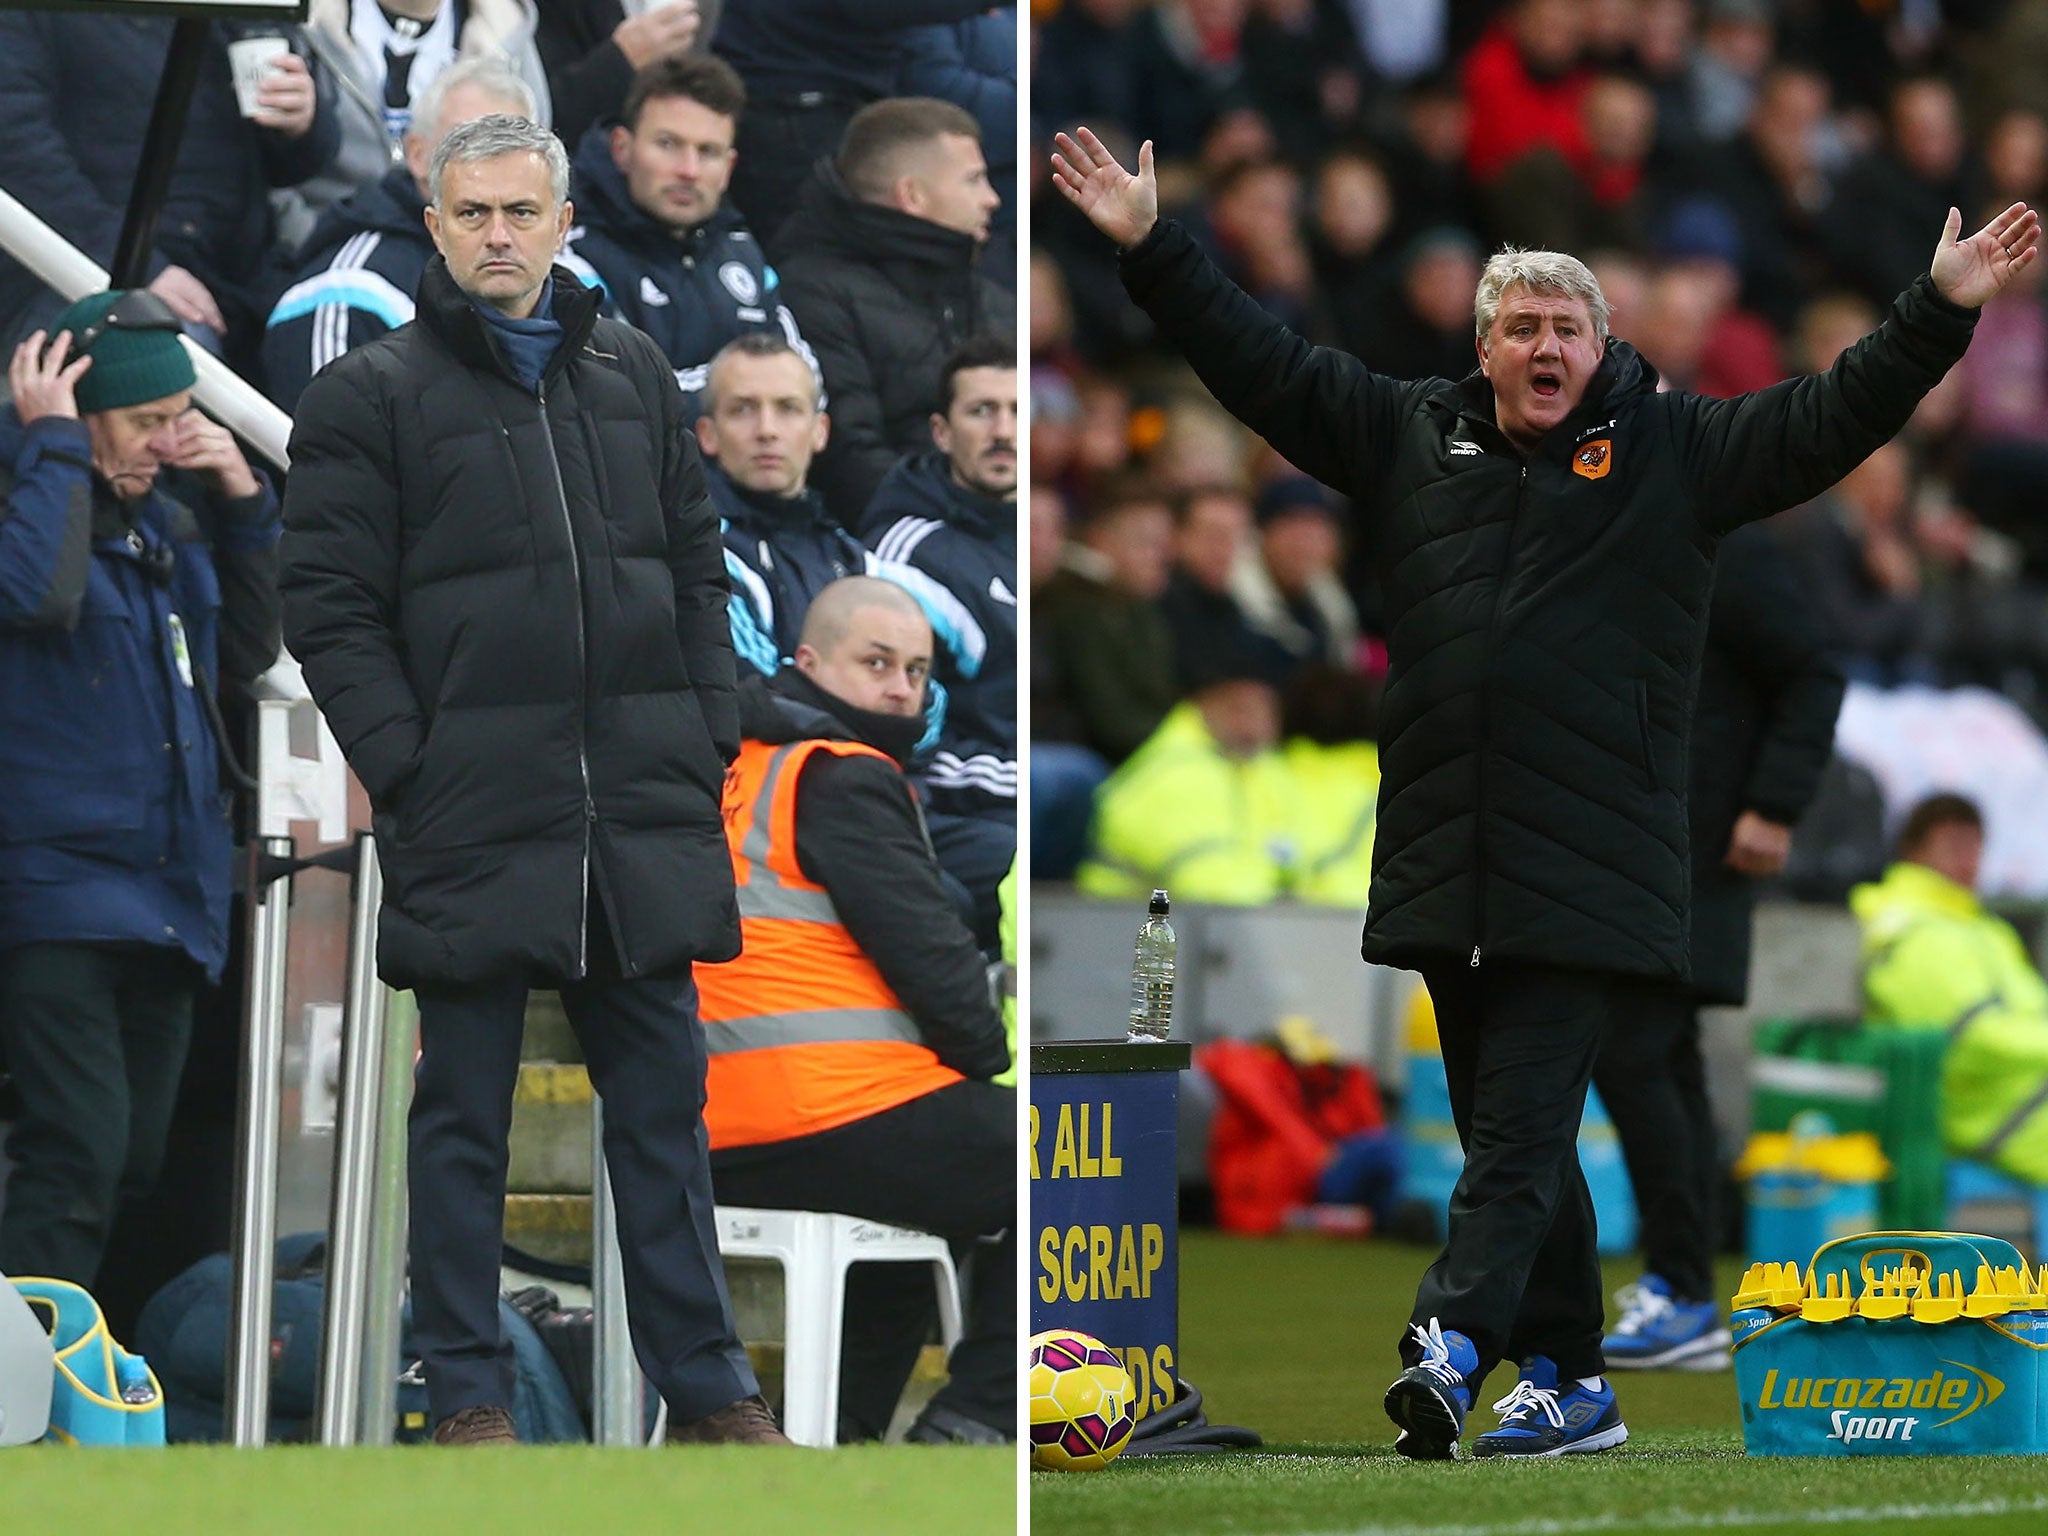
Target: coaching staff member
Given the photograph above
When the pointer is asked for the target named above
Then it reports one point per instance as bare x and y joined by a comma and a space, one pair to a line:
1545, 533
506, 586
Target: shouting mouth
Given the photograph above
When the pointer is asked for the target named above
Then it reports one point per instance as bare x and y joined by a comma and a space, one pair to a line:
1546, 384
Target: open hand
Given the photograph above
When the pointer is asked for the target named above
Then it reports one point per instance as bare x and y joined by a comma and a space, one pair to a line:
1124, 207
1970, 271
43, 381
205, 447
189, 298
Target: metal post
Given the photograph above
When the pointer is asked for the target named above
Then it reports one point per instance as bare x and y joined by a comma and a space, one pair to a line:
349, 1214
159, 153
256, 1163
616, 1387
386, 1259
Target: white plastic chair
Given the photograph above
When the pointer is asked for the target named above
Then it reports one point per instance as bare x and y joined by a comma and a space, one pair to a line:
28, 1370
815, 1249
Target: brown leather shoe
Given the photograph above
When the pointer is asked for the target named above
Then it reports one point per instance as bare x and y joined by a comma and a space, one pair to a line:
746, 1422
476, 1426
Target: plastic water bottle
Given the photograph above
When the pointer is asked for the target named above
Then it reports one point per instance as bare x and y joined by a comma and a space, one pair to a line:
1152, 976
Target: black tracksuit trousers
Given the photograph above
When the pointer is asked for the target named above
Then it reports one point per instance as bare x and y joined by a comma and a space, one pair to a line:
1520, 1272
1654, 1085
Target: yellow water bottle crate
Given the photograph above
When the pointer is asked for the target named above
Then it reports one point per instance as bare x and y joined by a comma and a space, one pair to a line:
1894, 1344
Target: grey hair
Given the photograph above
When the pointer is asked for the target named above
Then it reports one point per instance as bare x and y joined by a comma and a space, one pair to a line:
1550, 272
489, 73
486, 138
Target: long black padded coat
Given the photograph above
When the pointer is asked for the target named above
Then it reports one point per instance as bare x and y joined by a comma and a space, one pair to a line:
1762, 734
510, 605
1545, 612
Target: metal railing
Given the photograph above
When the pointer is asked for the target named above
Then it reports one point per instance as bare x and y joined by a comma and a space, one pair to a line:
220, 392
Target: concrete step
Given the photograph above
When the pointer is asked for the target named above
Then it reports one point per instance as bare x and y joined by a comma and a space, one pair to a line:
551, 1226
550, 1131
548, 1035
764, 1343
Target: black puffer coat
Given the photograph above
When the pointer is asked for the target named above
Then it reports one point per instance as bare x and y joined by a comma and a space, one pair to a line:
1545, 614
882, 298
1761, 737
512, 611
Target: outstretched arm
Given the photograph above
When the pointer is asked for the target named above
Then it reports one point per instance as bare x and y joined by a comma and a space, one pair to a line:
1322, 409
1760, 453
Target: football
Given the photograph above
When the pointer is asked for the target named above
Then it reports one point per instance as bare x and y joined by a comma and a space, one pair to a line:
1081, 1402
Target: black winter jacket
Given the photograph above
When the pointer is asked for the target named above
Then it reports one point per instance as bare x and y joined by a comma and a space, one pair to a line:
691, 295
1761, 736
849, 48
883, 297
1545, 614
860, 835
511, 610
924, 518
588, 76
75, 99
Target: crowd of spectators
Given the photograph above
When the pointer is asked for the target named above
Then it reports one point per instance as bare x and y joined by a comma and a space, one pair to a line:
1752, 181
807, 206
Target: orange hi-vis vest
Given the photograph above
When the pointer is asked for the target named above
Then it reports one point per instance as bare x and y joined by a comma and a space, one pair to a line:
804, 1034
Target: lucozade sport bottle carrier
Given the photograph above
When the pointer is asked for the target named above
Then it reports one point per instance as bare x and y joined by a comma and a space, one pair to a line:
1894, 1344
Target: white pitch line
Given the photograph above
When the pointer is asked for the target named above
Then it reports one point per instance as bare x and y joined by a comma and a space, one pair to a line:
1711, 1520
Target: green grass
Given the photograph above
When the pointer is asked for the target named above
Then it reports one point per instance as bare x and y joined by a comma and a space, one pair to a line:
1295, 1339
542, 1490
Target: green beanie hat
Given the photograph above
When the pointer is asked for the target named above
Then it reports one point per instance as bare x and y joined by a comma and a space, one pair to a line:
129, 367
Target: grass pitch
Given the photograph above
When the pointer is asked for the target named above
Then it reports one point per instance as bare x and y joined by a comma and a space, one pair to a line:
541, 1490
1295, 1338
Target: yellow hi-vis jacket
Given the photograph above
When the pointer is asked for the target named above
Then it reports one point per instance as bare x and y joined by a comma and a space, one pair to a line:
1336, 807
1006, 933
1933, 958
803, 1032
1182, 816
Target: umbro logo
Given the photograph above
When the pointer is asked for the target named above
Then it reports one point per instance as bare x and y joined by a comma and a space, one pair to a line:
1462, 448
1000, 592
651, 295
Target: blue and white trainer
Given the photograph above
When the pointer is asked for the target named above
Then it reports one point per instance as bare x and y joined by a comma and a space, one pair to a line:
1659, 1332
1430, 1399
1543, 1418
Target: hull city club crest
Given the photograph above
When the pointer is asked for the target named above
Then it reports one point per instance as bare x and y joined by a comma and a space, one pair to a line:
1593, 459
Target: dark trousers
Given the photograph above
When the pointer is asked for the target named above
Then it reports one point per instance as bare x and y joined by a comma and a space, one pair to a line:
1654, 1085
1520, 1273
943, 1163
95, 1036
646, 1054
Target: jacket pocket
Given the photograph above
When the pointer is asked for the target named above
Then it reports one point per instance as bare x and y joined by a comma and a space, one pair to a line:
1645, 741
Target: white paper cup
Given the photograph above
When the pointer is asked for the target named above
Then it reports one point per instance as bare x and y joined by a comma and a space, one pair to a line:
252, 58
